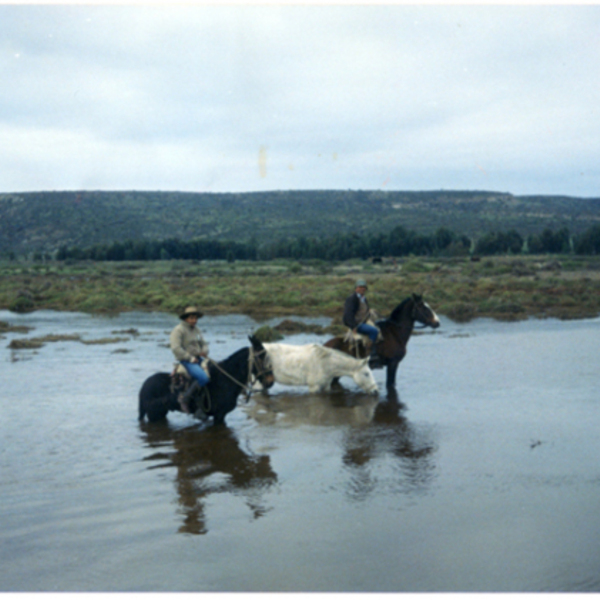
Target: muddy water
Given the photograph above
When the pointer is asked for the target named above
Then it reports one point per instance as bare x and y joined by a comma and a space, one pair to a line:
481, 474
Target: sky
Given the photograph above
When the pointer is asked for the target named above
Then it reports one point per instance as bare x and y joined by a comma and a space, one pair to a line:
245, 97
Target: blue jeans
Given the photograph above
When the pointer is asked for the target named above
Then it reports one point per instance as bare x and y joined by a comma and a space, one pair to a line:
196, 372
368, 330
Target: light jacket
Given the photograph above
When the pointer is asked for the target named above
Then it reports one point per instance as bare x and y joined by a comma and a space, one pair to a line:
187, 342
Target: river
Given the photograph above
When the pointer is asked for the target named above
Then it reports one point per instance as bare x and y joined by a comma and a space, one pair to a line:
481, 474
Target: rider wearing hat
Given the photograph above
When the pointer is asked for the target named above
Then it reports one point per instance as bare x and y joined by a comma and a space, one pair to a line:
357, 312
189, 348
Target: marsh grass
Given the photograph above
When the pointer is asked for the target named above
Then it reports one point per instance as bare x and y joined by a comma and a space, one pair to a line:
25, 344
500, 287
39, 342
8, 328
113, 340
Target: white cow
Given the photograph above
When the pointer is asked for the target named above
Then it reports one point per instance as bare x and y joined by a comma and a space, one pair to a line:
317, 366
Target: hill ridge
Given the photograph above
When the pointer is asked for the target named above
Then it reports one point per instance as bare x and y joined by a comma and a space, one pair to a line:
45, 221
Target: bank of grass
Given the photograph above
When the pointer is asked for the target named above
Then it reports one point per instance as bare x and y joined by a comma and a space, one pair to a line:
507, 288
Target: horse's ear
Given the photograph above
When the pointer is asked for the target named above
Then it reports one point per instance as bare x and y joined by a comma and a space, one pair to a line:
417, 297
256, 343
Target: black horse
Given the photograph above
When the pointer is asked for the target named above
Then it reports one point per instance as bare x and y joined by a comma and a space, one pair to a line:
227, 380
396, 331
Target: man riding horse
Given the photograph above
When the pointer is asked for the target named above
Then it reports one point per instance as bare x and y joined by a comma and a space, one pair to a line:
359, 317
190, 348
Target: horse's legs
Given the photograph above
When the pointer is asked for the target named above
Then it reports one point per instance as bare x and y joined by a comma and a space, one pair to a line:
335, 383
141, 410
392, 367
158, 407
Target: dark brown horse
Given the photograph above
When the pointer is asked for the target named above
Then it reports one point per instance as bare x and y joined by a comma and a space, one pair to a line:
396, 331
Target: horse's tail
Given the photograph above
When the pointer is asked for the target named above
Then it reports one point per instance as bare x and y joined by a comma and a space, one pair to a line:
154, 397
141, 408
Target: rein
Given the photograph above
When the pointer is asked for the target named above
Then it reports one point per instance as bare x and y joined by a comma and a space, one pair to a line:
252, 361
415, 323
413, 316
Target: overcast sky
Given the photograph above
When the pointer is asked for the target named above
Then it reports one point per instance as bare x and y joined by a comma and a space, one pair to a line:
245, 98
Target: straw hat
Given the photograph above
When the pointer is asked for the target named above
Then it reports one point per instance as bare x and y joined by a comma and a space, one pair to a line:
190, 310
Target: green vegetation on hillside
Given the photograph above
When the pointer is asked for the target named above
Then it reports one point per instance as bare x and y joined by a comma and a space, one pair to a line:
42, 222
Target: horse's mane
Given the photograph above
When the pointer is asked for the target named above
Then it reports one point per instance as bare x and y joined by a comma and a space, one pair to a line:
397, 312
230, 361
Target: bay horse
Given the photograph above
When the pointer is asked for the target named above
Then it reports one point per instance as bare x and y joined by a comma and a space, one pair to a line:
396, 331
228, 379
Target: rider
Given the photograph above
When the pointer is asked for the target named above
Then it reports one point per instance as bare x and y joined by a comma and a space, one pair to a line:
357, 314
189, 348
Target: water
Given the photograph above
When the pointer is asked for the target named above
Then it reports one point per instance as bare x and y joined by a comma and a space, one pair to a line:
481, 475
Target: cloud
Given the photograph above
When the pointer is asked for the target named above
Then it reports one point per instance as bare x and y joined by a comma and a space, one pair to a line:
235, 98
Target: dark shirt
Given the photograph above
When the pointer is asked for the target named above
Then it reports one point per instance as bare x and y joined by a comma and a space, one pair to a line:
351, 307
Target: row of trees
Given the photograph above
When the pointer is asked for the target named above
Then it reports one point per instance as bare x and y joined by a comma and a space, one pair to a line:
398, 242
547, 242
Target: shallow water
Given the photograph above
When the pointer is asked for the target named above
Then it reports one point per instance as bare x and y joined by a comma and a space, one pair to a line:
482, 474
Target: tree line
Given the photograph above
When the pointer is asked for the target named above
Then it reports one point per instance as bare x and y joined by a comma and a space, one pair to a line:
398, 242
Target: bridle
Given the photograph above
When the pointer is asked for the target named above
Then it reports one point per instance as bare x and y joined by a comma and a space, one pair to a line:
255, 362
417, 315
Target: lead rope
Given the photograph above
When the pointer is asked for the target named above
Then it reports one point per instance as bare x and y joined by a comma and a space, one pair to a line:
244, 386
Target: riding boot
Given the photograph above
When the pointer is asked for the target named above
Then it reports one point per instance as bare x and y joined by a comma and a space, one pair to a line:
200, 414
184, 397
374, 358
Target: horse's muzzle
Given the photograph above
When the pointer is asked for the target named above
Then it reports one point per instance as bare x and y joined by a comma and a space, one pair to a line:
268, 381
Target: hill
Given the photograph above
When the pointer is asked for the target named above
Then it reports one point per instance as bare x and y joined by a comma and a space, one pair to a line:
44, 221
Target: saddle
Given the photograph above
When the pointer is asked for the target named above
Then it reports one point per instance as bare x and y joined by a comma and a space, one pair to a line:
181, 383
180, 378
356, 339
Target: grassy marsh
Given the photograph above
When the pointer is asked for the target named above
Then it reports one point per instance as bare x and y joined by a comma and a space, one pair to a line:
508, 288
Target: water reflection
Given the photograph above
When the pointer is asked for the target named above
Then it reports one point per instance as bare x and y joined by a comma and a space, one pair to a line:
376, 437
296, 409
390, 435
208, 461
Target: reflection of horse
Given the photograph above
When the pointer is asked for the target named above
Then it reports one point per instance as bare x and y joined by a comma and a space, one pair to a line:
290, 409
370, 431
390, 434
396, 331
316, 367
208, 462
227, 380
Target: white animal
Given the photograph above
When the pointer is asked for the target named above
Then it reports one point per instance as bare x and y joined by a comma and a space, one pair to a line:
317, 366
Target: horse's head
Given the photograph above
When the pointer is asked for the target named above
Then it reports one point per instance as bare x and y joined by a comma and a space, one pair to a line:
261, 364
423, 313
363, 377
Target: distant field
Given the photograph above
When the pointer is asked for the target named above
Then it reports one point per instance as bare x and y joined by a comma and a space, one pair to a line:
507, 288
